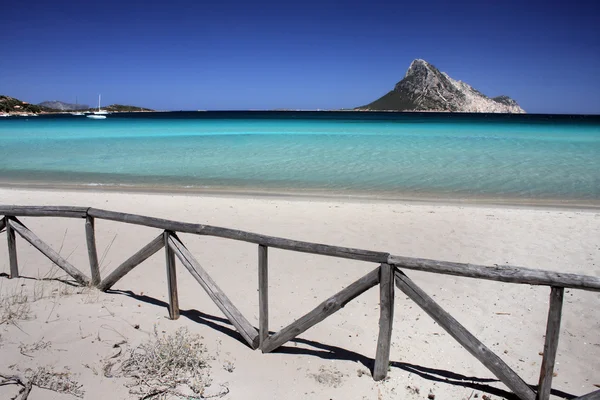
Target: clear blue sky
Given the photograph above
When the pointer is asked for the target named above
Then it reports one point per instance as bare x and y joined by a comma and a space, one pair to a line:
307, 54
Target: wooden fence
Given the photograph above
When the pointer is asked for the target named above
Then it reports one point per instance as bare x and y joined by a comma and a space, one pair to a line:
388, 274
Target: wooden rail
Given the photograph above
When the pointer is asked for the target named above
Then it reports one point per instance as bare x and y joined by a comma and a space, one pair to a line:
387, 275
504, 273
44, 211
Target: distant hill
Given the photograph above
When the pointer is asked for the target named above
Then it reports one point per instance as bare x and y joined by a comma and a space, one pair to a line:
124, 108
62, 106
56, 105
11, 105
425, 88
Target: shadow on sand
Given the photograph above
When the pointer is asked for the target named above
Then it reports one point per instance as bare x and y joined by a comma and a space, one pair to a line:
330, 352
66, 281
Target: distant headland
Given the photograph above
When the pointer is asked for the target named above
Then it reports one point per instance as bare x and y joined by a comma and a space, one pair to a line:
12, 106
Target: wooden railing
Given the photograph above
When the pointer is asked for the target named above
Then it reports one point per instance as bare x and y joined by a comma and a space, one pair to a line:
388, 275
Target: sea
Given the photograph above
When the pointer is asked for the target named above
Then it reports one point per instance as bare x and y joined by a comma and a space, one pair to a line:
553, 158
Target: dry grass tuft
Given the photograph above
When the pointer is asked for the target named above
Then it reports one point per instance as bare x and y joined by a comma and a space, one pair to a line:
60, 382
27, 349
166, 365
52, 285
14, 307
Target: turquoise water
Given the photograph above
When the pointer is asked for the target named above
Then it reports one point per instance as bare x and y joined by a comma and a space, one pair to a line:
545, 157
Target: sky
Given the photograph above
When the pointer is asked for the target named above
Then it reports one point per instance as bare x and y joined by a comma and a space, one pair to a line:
241, 54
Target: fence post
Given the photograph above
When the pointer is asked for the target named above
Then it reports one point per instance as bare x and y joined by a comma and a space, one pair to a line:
12, 249
263, 294
90, 235
551, 344
171, 278
386, 319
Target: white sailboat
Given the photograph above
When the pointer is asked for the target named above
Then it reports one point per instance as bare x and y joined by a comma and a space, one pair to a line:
100, 114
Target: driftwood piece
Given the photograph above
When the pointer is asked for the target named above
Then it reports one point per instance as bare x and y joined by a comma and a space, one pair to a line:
90, 236
551, 344
43, 211
132, 262
12, 250
270, 241
465, 338
2, 223
590, 396
263, 294
171, 278
248, 332
386, 319
502, 273
14, 379
322, 311
48, 252
41, 380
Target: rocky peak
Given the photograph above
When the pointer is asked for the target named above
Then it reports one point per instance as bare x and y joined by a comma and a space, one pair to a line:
419, 67
425, 88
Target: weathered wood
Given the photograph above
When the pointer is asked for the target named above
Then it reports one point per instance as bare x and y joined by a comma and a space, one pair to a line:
551, 344
171, 278
43, 211
322, 311
386, 319
263, 294
12, 250
248, 332
90, 236
270, 241
502, 273
464, 337
590, 396
132, 262
48, 252
2, 224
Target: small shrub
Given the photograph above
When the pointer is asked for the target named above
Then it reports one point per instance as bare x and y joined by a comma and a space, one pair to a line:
166, 364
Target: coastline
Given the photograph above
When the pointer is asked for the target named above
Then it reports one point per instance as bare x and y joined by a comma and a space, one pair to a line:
315, 195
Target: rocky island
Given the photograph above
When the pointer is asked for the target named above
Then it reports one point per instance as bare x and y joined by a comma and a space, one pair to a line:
425, 88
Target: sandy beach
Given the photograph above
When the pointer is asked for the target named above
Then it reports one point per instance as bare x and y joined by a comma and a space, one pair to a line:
80, 331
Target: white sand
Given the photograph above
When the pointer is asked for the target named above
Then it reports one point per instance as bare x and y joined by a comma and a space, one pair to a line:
82, 328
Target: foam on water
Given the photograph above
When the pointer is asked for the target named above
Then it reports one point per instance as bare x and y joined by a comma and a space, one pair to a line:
522, 157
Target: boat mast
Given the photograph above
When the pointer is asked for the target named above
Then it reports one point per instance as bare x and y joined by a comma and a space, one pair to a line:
99, 96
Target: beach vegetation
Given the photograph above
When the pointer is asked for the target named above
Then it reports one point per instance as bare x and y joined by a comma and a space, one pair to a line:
175, 364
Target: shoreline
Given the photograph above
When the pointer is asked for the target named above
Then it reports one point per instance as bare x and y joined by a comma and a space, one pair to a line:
315, 195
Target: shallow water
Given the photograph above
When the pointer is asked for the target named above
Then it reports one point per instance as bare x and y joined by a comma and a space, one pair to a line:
532, 157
